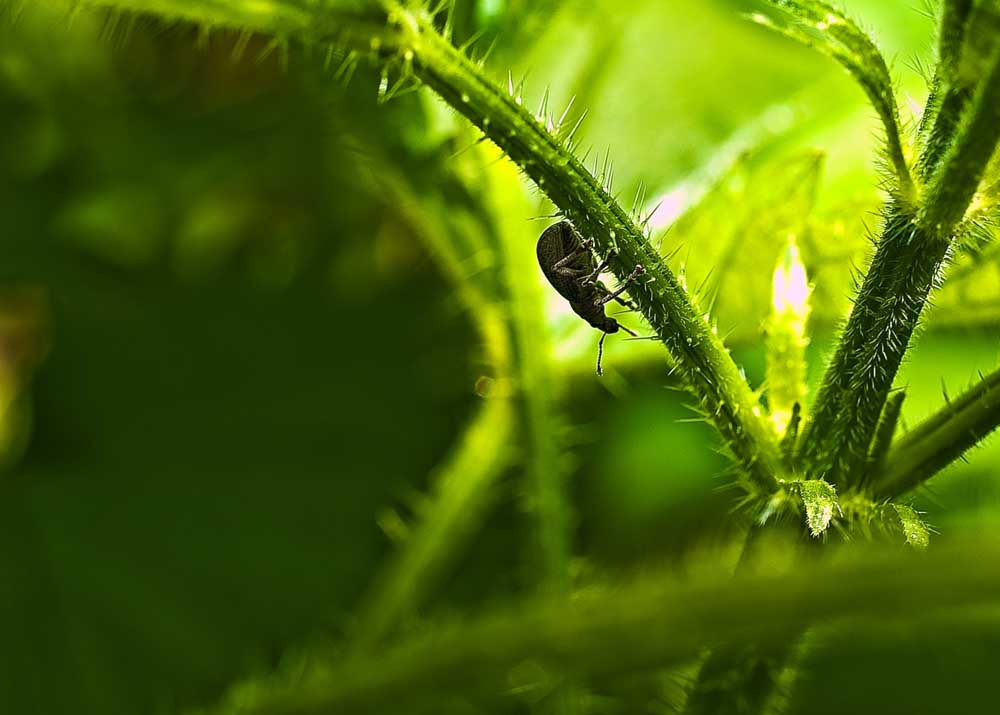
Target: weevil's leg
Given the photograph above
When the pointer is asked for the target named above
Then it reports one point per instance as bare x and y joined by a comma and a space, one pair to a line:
639, 270
618, 299
627, 303
600, 354
585, 246
592, 278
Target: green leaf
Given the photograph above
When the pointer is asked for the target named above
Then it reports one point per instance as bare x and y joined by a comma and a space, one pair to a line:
820, 500
914, 529
739, 230
787, 337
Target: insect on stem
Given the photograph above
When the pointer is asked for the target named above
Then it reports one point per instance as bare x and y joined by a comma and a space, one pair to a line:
568, 263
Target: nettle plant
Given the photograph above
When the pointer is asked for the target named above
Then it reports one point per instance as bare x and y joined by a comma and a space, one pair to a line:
801, 464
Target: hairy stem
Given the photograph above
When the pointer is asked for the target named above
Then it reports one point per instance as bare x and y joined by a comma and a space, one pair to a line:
652, 623
941, 439
858, 379
949, 93
700, 356
951, 33
951, 189
884, 434
910, 255
966, 45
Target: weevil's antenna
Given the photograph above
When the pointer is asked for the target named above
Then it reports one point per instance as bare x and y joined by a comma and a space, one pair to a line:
600, 347
600, 354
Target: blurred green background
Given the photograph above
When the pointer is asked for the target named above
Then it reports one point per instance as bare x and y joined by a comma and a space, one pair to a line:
226, 350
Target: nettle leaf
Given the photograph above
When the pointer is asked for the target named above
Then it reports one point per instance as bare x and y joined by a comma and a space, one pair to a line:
870, 517
727, 244
787, 339
820, 501
744, 220
618, 55
914, 529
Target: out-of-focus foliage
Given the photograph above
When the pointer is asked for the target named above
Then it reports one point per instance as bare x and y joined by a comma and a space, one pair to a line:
234, 341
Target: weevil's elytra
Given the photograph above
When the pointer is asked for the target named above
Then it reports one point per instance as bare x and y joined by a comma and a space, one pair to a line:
568, 264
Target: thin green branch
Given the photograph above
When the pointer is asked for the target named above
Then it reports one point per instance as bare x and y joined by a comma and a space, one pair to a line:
465, 488
941, 439
545, 466
955, 183
517, 348
538, 389
965, 45
651, 623
821, 26
951, 34
354, 22
884, 434
465, 483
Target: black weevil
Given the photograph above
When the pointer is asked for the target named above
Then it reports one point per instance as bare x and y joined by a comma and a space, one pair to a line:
568, 263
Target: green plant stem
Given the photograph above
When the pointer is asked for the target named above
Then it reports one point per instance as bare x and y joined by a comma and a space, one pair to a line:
538, 389
652, 623
700, 356
348, 22
907, 264
941, 439
545, 467
465, 489
884, 434
966, 43
955, 183
465, 483
949, 93
951, 33
942, 125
